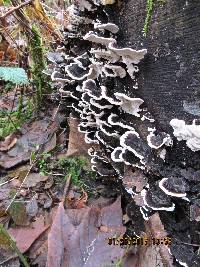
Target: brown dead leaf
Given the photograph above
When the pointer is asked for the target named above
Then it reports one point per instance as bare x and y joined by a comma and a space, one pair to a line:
75, 238
29, 234
156, 229
35, 133
4, 192
49, 183
38, 250
76, 144
15, 183
82, 200
40, 255
77, 203
8, 143
33, 179
45, 200
50, 144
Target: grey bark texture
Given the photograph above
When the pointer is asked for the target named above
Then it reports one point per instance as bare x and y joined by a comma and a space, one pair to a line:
169, 77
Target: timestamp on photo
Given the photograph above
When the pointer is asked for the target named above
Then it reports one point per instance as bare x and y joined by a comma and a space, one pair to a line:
139, 241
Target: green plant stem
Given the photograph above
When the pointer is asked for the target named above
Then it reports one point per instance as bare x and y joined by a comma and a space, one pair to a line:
14, 246
149, 10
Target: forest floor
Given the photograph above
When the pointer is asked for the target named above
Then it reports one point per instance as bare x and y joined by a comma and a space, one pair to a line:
46, 180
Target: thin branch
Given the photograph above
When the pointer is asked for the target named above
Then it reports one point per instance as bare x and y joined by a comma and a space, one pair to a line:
13, 199
39, 150
190, 244
66, 189
7, 182
15, 8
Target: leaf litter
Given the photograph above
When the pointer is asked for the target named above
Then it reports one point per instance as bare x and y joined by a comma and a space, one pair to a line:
76, 239
78, 236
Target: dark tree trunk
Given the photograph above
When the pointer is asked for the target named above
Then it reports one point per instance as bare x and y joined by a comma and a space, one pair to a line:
169, 77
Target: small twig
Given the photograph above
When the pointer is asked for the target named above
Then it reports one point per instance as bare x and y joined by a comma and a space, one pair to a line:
13, 103
8, 259
9, 118
55, 174
46, 139
7, 181
15, 8
66, 189
57, 111
12, 243
189, 244
13, 199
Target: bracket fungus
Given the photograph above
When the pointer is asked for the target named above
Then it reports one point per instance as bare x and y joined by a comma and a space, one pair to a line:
157, 140
189, 133
111, 27
175, 187
90, 71
157, 200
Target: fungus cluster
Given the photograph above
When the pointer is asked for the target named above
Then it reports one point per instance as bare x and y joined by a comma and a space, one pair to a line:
189, 133
90, 71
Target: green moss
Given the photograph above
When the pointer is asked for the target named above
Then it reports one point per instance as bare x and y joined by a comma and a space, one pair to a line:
74, 166
149, 10
37, 54
12, 121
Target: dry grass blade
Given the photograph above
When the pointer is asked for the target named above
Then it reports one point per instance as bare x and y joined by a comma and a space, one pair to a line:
15, 8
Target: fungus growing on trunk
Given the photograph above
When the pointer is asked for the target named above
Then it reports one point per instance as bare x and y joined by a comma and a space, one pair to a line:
113, 71
105, 54
90, 71
135, 144
94, 38
173, 186
129, 104
158, 139
92, 89
157, 200
189, 133
111, 27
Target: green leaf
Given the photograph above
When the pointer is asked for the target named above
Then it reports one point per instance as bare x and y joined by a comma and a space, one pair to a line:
6, 2
14, 75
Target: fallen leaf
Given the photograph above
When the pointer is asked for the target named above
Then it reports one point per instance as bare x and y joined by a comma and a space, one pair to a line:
76, 144
29, 234
81, 202
15, 183
24, 192
4, 192
77, 203
18, 213
75, 238
156, 228
8, 143
33, 179
35, 133
40, 255
45, 200
19, 172
32, 207
49, 183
